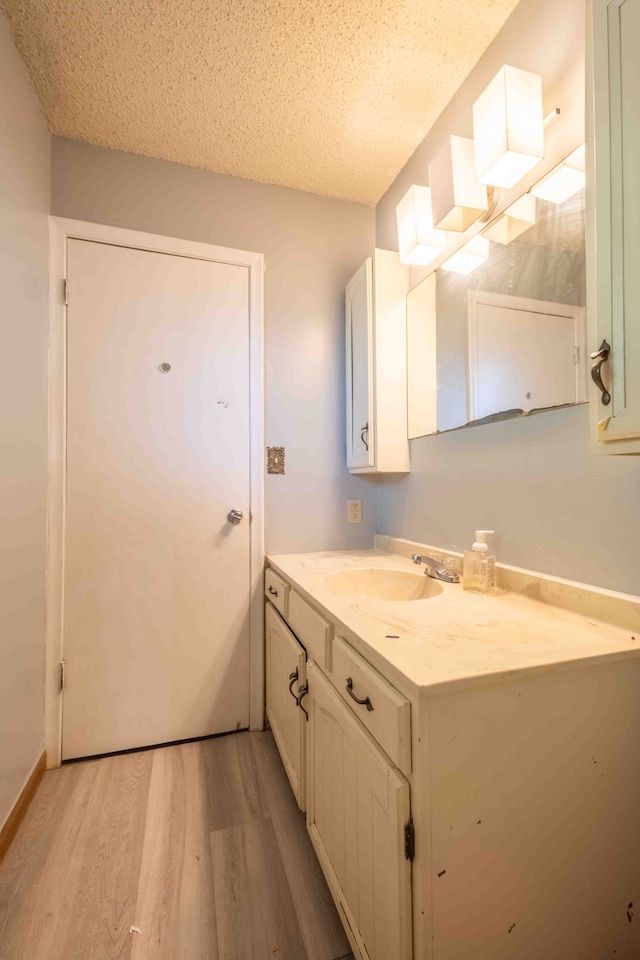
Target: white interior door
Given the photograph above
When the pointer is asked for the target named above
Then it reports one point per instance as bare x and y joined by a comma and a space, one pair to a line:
523, 354
157, 580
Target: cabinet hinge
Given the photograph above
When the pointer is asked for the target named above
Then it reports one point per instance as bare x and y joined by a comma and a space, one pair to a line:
65, 292
63, 674
409, 840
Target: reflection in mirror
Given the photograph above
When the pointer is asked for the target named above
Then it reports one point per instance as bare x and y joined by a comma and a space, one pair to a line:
507, 338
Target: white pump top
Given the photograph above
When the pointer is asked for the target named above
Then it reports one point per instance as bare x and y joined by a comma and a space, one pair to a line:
480, 546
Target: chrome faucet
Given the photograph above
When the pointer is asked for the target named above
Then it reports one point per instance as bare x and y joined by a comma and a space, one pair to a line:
435, 569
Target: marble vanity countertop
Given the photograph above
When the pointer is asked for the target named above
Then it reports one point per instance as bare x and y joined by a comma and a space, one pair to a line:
458, 638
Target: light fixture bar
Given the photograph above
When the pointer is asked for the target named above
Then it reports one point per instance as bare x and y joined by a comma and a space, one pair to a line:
550, 117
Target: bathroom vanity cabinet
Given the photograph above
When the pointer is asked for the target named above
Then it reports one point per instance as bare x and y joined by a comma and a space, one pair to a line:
357, 800
613, 222
468, 764
376, 366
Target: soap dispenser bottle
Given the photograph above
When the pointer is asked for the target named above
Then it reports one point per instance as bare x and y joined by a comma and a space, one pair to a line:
479, 567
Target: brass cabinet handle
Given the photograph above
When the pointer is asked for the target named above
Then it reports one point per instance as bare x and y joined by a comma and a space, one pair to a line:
292, 679
364, 703
364, 430
601, 356
302, 692
274, 593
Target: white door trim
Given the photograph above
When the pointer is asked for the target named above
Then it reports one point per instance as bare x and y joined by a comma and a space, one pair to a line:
60, 230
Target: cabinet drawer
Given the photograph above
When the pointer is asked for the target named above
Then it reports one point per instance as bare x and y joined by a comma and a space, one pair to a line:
390, 719
312, 630
277, 591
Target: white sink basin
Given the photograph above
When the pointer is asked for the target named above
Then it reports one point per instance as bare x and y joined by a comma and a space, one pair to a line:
380, 584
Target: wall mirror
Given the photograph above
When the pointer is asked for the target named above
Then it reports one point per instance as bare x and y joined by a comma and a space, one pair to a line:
507, 338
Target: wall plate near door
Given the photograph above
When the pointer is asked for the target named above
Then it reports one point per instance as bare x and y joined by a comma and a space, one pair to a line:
275, 459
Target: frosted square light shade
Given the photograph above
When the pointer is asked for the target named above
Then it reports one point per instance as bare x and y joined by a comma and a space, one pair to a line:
564, 181
457, 199
419, 243
508, 127
467, 258
517, 218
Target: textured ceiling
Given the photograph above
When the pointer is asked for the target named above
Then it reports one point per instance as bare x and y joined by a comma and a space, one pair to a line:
329, 96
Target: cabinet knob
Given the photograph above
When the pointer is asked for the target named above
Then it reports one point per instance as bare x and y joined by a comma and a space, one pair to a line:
601, 355
235, 516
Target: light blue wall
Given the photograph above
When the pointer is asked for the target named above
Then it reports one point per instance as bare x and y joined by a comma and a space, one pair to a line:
557, 508
312, 246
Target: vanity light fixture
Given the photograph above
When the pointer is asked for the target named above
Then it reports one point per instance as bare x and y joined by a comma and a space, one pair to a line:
418, 241
564, 181
508, 127
467, 258
456, 196
517, 218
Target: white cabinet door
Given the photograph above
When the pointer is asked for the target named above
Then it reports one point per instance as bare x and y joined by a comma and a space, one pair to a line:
613, 179
285, 675
357, 808
376, 340
359, 332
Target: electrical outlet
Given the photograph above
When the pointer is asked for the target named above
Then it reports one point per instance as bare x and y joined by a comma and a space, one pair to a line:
354, 511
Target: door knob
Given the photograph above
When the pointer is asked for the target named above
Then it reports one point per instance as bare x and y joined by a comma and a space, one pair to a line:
235, 516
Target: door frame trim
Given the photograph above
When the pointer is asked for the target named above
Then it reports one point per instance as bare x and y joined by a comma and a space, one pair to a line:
61, 230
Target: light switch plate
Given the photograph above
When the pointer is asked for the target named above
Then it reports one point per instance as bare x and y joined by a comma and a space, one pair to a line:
275, 459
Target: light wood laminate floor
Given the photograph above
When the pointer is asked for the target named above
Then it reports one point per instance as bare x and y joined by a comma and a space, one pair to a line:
200, 846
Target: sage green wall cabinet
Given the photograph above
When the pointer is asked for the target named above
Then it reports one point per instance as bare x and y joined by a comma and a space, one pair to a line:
613, 224
376, 340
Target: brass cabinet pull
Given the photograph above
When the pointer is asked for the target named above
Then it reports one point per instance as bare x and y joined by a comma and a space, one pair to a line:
302, 692
364, 703
601, 356
292, 679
